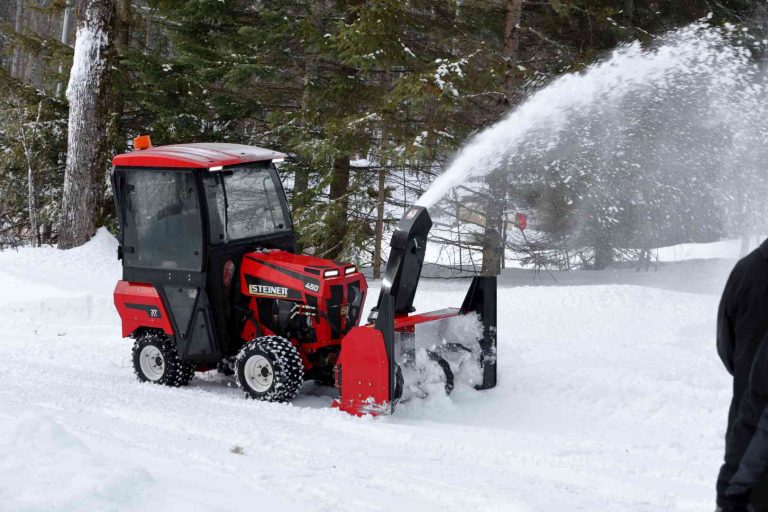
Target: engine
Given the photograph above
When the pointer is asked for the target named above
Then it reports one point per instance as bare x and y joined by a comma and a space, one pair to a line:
310, 301
292, 320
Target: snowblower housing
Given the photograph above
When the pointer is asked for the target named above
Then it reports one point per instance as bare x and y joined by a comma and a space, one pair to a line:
368, 369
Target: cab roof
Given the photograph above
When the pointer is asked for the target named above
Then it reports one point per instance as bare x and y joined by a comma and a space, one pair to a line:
196, 156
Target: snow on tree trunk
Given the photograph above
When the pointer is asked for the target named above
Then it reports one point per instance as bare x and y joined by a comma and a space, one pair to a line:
88, 141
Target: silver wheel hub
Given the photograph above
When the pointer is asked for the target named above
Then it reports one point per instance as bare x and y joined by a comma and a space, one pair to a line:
152, 363
258, 373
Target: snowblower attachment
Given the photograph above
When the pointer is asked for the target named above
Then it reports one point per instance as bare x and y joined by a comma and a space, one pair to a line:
370, 365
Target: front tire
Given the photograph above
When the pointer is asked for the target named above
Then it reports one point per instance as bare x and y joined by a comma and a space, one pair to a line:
269, 369
156, 360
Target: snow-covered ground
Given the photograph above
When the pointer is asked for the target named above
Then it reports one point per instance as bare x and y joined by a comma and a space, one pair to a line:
611, 397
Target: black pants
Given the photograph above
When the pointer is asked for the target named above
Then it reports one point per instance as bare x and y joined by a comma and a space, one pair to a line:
759, 496
744, 475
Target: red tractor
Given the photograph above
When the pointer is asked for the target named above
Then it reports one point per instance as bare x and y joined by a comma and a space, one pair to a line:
211, 279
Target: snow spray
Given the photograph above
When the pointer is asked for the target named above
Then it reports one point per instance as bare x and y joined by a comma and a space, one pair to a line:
698, 66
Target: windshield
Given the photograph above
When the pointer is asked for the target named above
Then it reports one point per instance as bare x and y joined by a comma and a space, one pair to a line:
244, 203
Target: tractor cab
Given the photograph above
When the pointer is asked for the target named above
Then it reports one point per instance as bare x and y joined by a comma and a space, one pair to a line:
188, 214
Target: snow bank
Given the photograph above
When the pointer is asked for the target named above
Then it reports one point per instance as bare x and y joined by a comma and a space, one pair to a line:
74, 287
92, 268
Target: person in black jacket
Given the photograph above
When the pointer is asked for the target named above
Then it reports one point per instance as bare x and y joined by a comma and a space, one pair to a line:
742, 343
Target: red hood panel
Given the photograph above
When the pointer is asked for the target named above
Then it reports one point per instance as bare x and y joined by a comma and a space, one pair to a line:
297, 262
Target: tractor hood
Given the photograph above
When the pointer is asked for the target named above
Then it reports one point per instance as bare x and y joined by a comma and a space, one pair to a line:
333, 292
301, 264
283, 275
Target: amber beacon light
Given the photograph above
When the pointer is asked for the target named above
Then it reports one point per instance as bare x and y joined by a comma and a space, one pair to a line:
142, 142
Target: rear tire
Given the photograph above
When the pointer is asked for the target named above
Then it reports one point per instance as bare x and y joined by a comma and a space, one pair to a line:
156, 360
269, 369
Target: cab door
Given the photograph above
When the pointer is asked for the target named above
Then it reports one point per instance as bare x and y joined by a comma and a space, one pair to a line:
163, 244
246, 210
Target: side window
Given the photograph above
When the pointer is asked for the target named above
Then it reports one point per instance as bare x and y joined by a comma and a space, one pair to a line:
275, 209
254, 206
162, 226
244, 203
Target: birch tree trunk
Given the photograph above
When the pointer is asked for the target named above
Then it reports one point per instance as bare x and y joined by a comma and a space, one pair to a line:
31, 188
32, 205
18, 25
89, 95
65, 31
27, 141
